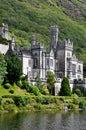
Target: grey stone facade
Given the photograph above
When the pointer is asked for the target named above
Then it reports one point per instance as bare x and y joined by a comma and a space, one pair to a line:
59, 59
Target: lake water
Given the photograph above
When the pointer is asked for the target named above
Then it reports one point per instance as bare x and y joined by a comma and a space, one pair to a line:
43, 121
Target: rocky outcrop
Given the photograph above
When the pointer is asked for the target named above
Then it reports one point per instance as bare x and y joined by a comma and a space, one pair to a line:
73, 9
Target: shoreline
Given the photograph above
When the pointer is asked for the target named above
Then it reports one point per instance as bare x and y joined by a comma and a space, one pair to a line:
13, 103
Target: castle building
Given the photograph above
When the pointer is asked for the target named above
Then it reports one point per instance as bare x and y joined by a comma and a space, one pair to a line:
60, 60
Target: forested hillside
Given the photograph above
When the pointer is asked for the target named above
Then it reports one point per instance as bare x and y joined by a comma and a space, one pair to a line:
26, 17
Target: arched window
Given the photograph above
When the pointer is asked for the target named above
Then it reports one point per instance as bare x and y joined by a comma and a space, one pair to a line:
35, 63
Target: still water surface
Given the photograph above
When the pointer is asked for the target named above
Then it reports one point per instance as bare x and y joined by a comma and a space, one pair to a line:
43, 121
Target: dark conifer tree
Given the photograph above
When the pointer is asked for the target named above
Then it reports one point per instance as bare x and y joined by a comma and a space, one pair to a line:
65, 88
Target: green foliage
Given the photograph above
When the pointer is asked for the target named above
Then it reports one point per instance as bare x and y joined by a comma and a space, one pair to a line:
35, 90
82, 104
28, 16
14, 68
84, 92
78, 92
7, 85
50, 81
43, 100
72, 106
38, 81
65, 88
21, 100
0, 100
44, 89
19, 83
3, 66
32, 89
25, 85
3, 40
11, 91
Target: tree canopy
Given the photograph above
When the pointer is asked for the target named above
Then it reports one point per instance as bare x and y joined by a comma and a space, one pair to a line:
14, 68
2, 68
65, 88
50, 81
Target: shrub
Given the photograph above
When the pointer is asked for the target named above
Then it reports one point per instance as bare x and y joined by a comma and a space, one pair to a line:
25, 85
23, 78
0, 100
37, 106
43, 100
35, 90
8, 96
82, 104
78, 92
10, 101
44, 89
21, 100
19, 83
7, 85
11, 91
72, 106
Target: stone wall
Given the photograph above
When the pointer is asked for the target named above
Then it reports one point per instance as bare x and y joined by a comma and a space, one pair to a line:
4, 48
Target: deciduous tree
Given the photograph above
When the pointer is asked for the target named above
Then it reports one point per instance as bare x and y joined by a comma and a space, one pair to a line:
50, 81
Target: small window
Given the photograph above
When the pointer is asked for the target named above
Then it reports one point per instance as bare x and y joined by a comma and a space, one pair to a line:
68, 54
47, 62
73, 69
79, 68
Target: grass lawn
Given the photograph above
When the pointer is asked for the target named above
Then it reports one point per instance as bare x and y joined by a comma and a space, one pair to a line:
17, 91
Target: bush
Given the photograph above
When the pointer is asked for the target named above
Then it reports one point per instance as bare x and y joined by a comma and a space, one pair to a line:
37, 106
72, 106
11, 91
35, 90
43, 100
21, 100
7, 85
78, 92
0, 100
8, 101
25, 85
19, 83
44, 89
82, 104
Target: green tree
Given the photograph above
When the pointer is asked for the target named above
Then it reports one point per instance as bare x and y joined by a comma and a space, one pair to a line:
3, 68
78, 92
50, 81
38, 81
14, 68
65, 88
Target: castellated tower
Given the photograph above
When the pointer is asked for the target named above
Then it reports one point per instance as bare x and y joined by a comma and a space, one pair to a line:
12, 44
4, 31
33, 40
64, 52
54, 37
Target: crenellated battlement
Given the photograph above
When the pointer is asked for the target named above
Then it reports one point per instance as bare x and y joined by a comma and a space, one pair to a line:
65, 44
68, 43
37, 45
